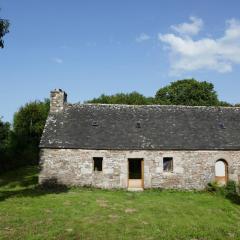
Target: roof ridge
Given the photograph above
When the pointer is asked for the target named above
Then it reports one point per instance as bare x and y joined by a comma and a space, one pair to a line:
150, 105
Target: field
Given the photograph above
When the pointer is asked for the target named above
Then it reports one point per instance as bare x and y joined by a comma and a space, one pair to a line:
30, 212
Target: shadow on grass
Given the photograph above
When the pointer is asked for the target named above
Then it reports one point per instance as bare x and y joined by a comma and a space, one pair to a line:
21, 177
48, 187
25, 182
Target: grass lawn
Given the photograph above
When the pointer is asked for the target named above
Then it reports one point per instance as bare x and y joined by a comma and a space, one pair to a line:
29, 212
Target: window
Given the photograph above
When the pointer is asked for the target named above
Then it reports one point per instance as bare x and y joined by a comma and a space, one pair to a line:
221, 172
94, 123
138, 125
97, 163
167, 164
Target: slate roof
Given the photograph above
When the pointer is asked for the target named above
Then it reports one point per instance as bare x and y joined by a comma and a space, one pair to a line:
157, 127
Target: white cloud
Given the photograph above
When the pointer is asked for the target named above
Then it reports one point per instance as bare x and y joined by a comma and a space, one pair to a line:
219, 54
192, 28
143, 37
58, 60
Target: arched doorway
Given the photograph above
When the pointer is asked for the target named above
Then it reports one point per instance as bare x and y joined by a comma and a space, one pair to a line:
221, 171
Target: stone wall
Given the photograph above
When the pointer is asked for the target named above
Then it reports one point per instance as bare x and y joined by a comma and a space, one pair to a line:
191, 169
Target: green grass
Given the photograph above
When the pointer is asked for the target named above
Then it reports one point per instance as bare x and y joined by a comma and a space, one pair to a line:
29, 212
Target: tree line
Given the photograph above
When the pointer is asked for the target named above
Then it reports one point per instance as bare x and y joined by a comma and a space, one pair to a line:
19, 141
188, 92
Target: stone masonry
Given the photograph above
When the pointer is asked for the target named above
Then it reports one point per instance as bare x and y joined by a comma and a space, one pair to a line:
58, 99
191, 169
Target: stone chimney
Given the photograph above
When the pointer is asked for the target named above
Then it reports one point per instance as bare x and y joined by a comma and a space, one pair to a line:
57, 100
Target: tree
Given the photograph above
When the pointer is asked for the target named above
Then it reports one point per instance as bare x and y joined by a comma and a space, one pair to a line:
188, 92
4, 135
19, 145
133, 98
4, 144
29, 121
28, 126
224, 104
4, 29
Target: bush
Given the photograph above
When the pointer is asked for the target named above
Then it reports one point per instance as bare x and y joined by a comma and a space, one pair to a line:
229, 191
231, 188
212, 187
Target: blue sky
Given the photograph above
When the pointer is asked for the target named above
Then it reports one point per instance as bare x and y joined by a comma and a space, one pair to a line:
92, 47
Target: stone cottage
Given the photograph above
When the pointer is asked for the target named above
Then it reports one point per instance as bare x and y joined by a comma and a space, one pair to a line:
154, 146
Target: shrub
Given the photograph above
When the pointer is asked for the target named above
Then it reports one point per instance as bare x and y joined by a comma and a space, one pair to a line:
229, 191
231, 188
212, 187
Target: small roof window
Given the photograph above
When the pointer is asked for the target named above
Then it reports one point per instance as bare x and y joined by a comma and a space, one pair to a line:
94, 123
222, 126
138, 125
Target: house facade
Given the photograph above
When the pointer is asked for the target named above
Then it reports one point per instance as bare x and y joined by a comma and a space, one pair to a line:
153, 146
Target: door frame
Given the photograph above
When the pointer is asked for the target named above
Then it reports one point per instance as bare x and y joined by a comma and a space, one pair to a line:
226, 177
142, 171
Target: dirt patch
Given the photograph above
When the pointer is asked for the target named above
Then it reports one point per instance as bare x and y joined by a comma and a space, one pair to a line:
130, 210
47, 210
67, 203
102, 202
113, 216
